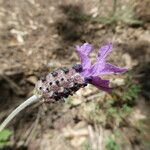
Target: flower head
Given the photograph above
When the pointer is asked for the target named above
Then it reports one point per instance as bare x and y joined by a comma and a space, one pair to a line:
91, 72
64, 81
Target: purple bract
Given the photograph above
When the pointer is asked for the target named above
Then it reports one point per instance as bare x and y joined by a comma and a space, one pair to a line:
101, 67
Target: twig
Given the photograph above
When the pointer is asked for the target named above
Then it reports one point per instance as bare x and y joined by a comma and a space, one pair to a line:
22, 106
92, 137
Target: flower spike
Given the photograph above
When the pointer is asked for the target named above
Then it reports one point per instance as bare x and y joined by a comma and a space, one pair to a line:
66, 81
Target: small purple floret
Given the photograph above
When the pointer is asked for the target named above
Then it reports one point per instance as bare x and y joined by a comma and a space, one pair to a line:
101, 67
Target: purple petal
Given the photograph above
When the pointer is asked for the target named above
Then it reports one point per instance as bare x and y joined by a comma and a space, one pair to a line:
101, 84
85, 61
104, 51
86, 48
97, 68
110, 69
86, 73
84, 52
102, 68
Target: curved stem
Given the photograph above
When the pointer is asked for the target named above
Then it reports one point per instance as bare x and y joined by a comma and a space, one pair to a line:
22, 106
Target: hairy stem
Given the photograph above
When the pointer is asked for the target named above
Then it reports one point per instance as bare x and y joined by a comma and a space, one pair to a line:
22, 106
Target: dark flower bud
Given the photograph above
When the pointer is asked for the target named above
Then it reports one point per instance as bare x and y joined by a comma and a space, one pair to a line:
75, 87
54, 73
77, 68
66, 91
70, 92
50, 83
62, 79
47, 89
56, 96
57, 82
85, 84
65, 70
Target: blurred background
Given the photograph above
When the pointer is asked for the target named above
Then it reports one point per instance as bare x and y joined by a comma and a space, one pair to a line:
38, 36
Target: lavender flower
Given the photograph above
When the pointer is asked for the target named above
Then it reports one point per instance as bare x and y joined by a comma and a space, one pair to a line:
91, 72
66, 81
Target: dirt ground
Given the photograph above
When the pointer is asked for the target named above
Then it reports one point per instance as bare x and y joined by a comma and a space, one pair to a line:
37, 37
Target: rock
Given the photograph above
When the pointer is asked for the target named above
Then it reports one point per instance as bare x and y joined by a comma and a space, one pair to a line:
117, 82
32, 79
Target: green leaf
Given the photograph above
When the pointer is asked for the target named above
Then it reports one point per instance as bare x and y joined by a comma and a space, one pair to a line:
111, 144
4, 135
